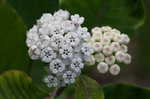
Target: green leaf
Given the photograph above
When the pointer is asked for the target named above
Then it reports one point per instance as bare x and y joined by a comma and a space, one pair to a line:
143, 41
31, 10
66, 93
126, 15
87, 88
17, 85
125, 91
13, 51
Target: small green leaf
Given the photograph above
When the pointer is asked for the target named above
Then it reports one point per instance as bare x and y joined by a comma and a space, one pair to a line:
17, 85
13, 51
126, 15
31, 10
125, 91
87, 88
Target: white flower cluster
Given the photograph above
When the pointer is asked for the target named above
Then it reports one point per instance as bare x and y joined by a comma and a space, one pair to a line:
110, 49
60, 41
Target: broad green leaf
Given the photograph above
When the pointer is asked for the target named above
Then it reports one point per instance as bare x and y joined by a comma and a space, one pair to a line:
125, 91
13, 51
126, 15
87, 88
31, 10
66, 93
17, 85
143, 41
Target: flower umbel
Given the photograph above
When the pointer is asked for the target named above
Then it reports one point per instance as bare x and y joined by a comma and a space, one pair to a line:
60, 41
110, 47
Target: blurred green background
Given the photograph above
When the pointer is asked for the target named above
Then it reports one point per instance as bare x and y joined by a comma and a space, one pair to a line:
17, 16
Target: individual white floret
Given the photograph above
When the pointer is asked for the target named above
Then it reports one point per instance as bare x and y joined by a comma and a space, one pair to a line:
57, 66
90, 60
45, 19
68, 26
108, 35
96, 38
63, 14
107, 50
110, 60
106, 29
56, 40
77, 19
124, 39
114, 69
123, 48
69, 77
102, 67
115, 31
34, 52
115, 46
45, 29
96, 30
105, 41
72, 38
83, 33
44, 40
57, 29
120, 56
77, 64
116, 37
66, 51
32, 36
127, 59
97, 46
99, 57
47, 54
87, 49
51, 81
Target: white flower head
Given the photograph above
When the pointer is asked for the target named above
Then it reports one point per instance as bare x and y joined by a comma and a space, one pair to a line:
114, 69
110, 47
59, 40
102, 67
